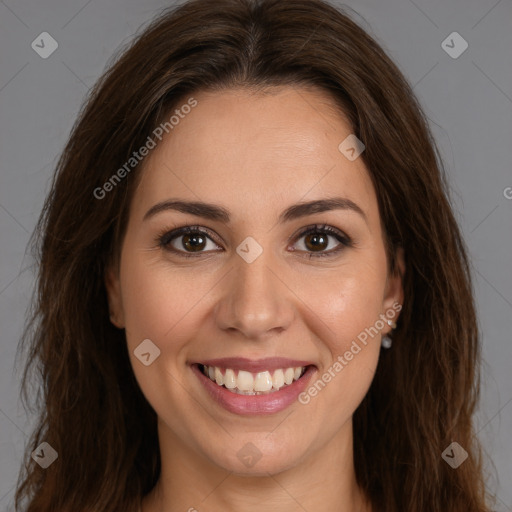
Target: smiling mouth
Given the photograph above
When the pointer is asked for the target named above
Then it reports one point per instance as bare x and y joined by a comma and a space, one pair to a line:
243, 382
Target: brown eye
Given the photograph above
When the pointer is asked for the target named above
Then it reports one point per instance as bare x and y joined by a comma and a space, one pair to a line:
320, 240
193, 243
188, 241
316, 242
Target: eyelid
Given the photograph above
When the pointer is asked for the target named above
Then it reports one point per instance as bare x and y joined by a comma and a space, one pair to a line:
165, 237
343, 239
313, 228
178, 231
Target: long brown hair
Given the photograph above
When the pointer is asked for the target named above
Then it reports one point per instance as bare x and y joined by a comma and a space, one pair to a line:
91, 410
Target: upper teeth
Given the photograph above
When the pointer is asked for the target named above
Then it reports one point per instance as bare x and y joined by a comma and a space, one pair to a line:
248, 383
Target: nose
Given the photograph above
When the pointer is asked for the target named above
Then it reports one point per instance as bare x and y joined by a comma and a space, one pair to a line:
255, 302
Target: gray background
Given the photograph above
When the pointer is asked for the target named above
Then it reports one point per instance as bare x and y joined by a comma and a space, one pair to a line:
468, 101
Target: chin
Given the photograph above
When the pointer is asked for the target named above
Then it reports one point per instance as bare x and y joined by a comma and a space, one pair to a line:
256, 455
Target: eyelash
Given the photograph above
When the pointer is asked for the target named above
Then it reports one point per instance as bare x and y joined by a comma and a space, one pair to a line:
164, 238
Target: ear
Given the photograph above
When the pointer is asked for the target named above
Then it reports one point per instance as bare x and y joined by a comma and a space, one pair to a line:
114, 296
394, 293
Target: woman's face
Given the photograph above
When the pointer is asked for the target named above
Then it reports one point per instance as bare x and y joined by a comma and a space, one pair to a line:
246, 292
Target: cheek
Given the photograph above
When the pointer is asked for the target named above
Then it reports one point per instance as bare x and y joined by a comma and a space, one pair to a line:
350, 301
350, 307
157, 306
158, 300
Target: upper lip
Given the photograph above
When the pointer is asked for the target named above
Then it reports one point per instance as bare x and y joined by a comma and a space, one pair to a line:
255, 365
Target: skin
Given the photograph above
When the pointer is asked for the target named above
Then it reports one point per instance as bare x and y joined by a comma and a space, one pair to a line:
254, 154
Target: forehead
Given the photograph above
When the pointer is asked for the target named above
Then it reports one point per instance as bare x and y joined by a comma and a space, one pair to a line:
254, 151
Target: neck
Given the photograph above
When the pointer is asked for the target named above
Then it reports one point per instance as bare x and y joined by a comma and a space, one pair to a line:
324, 481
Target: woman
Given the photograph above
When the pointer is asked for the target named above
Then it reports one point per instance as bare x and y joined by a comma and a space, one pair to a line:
252, 288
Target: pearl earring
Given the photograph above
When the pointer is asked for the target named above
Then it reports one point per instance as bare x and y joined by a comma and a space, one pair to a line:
386, 341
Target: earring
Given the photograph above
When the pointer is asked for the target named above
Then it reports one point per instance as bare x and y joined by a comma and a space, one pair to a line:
386, 341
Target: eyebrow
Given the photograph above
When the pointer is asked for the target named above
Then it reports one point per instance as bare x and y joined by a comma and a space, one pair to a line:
218, 213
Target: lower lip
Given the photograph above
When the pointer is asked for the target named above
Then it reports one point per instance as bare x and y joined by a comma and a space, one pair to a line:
249, 405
